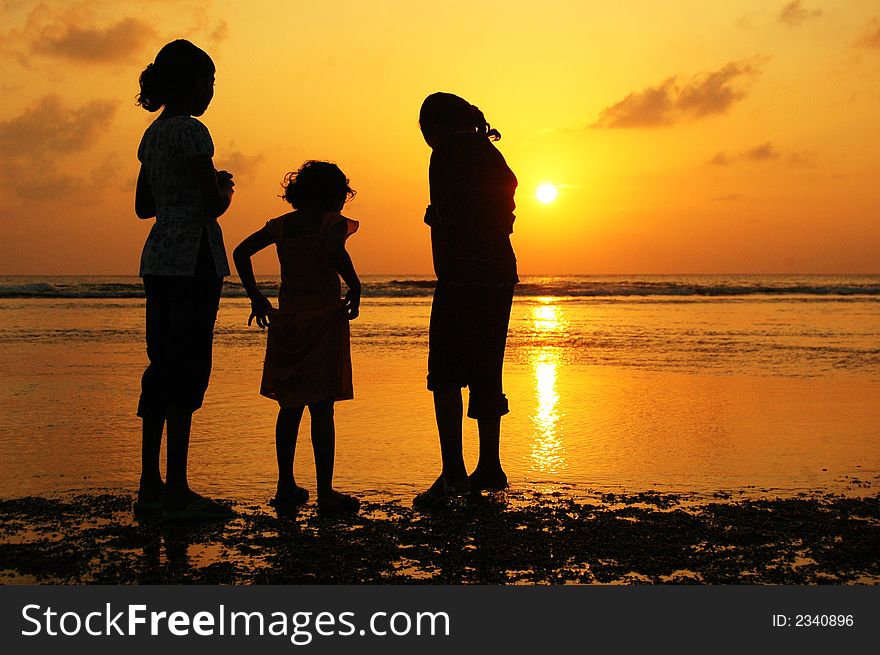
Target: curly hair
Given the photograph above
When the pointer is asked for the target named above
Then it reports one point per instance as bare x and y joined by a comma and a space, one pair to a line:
316, 182
172, 74
450, 110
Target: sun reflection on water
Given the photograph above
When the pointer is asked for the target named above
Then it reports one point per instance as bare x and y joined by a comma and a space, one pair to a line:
548, 449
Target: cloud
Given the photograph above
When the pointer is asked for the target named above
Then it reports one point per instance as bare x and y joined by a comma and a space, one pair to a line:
676, 99
650, 108
219, 34
744, 22
794, 14
242, 166
30, 184
720, 159
68, 39
108, 174
42, 181
871, 39
34, 145
763, 152
47, 125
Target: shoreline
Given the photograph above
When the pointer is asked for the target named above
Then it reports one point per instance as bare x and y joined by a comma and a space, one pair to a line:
521, 537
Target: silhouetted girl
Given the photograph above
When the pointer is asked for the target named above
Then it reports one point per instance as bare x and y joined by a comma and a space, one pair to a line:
182, 265
308, 359
471, 219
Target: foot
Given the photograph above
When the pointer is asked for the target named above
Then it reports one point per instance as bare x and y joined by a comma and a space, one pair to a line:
190, 506
289, 501
335, 502
150, 497
438, 492
487, 480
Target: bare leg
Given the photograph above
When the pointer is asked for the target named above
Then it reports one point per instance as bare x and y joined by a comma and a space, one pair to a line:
150, 449
178, 427
448, 411
490, 437
324, 446
151, 485
453, 478
489, 474
286, 431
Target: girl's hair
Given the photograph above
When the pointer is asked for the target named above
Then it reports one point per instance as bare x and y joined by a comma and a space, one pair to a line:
450, 110
172, 74
316, 182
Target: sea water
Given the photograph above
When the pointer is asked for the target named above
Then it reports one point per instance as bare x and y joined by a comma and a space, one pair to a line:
619, 383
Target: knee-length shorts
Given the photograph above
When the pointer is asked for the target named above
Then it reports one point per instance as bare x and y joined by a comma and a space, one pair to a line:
181, 311
467, 337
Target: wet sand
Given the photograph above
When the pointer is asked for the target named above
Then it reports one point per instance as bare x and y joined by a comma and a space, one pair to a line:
522, 537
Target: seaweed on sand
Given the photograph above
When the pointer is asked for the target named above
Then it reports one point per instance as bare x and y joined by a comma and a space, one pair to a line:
525, 538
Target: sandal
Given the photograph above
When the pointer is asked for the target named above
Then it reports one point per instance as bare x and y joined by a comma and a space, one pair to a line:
438, 492
199, 508
338, 503
289, 503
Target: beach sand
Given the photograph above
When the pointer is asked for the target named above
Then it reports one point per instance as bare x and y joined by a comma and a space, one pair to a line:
521, 537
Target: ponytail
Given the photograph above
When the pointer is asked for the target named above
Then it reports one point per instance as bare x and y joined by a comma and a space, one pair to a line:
153, 93
172, 75
452, 111
481, 126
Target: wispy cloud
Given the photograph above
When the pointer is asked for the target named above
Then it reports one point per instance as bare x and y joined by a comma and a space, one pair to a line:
49, 126
219, 34
764, 152
795, 14
719, 159
871, 38
33, 145
242, 166
70, 39
675, 99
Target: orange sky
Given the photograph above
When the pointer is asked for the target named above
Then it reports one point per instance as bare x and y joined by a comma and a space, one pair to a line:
686, 136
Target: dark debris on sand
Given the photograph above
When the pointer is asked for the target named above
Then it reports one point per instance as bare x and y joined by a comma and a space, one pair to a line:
526, 538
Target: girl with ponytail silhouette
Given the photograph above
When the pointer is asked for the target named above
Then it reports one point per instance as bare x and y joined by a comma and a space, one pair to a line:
471, 219
182, 265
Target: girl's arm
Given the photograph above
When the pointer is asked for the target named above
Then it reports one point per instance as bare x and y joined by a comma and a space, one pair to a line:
216, 185
261, 308
344, 266
144, 203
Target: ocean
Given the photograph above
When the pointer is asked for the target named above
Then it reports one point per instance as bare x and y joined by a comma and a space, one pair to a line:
707, 384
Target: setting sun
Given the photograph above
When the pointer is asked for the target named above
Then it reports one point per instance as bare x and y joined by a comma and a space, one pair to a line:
546, 193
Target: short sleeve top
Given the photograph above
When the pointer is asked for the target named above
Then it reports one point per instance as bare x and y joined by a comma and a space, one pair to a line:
308, 277
172, 246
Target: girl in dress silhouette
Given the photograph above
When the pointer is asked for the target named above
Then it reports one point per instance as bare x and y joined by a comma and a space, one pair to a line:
308, 359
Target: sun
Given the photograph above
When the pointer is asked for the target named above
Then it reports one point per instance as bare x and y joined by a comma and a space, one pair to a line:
546, 193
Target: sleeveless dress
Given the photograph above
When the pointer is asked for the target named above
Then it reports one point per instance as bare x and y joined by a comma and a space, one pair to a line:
308, 353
